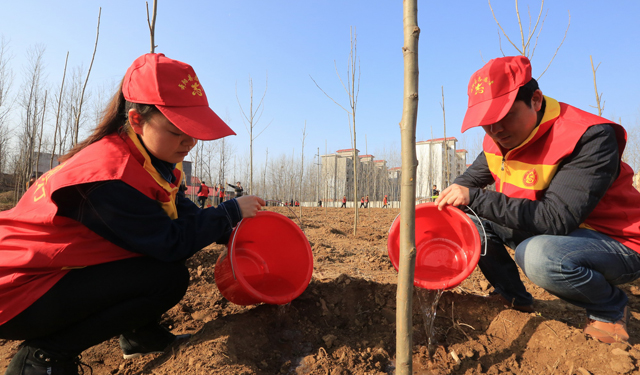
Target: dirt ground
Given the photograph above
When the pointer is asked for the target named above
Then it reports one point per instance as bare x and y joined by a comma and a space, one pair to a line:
344, 323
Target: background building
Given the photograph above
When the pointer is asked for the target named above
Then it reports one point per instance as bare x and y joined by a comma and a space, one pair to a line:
439, 163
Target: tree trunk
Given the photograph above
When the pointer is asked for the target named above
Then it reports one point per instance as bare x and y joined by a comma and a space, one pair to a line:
404, 301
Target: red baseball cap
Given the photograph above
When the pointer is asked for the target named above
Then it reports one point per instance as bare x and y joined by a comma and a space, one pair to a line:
174, 88
493, 89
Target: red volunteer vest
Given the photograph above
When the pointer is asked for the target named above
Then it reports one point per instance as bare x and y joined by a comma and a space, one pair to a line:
204, 191
37, 248
527, 170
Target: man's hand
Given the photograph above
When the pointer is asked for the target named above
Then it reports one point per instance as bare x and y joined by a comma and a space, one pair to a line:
250, 205
455, 195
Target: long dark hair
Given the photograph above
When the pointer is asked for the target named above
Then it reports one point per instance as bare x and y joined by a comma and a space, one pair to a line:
114, 119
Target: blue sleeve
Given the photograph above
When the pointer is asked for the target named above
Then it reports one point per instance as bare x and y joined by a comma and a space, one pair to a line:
131, 220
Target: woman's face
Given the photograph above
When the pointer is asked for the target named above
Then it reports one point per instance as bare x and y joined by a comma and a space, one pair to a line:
161, 138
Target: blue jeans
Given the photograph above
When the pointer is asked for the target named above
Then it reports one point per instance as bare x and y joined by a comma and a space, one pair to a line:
582, 268
497, 266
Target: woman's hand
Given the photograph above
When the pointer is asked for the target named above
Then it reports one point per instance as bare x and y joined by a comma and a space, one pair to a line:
250, 205
455, 195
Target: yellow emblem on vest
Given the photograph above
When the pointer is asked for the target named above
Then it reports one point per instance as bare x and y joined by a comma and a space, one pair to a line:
478, 85
530, 178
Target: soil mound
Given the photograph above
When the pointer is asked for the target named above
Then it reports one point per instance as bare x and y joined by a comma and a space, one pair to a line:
344, 323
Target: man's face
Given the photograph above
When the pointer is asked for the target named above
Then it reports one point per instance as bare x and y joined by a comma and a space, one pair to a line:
517, 124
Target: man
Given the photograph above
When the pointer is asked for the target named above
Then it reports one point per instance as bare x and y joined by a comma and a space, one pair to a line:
563, 200
238, 189
32, 180
344, 202
434, 193
384, 202
203, 194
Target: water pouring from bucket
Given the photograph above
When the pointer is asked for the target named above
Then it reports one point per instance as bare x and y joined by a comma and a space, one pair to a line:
268, 260
447, 246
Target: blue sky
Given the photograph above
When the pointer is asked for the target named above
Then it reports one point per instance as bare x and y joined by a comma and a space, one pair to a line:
229, 41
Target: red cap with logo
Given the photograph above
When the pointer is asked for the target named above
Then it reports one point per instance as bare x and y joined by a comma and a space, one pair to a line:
493, 89
174, 88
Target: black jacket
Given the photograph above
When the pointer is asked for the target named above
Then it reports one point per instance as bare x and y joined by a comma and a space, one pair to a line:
580, 182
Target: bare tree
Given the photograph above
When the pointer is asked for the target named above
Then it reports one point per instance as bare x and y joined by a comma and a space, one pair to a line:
526, 48
407, 259
152, 23
57, 125
84, 87
31, 108
304, 135
445, 149
352, 89
6, 80
250, 121
595, 86
36, 162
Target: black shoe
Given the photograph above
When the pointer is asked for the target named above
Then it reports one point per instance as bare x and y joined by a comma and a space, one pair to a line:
151, 339
510, 305
33, 361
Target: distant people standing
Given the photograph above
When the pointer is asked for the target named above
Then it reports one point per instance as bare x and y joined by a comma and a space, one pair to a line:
366, 202
203, 194
344, 202
319, 202
384, 202
220, 193
297, 204
238, 189
362, 202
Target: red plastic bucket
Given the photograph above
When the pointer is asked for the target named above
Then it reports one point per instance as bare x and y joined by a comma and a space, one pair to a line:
447, 246
268, 260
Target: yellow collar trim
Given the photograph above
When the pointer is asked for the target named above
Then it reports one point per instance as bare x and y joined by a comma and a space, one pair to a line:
168, 207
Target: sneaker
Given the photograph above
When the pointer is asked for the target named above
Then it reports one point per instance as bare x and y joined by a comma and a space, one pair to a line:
509, 305
609, 332
33, 361
152, 339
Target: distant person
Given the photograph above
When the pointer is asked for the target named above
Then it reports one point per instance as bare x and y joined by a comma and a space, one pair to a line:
237, 188
384, 202
564, 199
434, 193
220, 193
319, 202
366, 202
297, 204
98, 249
362, 202
344, 202
31, 181
203, 194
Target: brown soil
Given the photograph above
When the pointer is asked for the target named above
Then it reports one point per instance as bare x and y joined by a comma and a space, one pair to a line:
344, 323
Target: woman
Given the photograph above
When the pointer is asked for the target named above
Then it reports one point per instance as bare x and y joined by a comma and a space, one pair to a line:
96, 247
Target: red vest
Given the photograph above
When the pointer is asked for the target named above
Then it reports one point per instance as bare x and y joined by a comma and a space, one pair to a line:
38, 248
527, 170
204, 191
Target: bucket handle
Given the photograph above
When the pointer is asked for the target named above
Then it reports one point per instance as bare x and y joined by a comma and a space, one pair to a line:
483, 231
479, 221
233, 243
